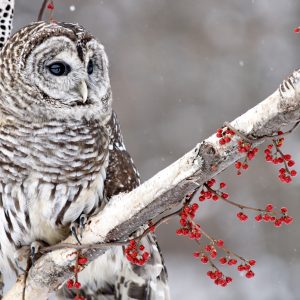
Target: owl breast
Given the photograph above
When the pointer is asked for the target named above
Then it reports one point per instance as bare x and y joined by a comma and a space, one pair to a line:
49, 175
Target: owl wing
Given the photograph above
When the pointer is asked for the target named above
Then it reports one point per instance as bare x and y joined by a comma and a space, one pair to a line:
121, 173
148, 282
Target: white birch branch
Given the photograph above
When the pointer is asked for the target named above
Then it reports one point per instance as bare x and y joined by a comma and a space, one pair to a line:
125, 213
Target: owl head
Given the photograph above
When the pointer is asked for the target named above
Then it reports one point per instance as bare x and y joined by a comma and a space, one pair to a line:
54, 70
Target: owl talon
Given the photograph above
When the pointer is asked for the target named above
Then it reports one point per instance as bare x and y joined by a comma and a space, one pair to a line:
82, 222
74, 227
78, 227
34, 250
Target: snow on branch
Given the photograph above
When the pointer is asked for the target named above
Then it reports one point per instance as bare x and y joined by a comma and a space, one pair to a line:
125, 213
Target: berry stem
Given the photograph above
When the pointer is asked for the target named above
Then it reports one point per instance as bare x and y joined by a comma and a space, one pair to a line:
282, 155
240, 206
241, 135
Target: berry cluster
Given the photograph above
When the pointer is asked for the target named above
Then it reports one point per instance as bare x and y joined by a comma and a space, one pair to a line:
219, 278
136, 254
247, 268
242, 216
274, 155
225, 135
249, 150
188, 226
270, 216
209, 253
81, 261
208, 192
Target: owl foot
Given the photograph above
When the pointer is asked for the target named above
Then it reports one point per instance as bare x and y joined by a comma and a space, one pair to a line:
25, 253
34, 250
78, 225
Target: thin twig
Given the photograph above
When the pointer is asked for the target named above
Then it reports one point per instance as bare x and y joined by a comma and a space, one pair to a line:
240, 206
42, 10
282, 155
257, 138
254, 138
110, 244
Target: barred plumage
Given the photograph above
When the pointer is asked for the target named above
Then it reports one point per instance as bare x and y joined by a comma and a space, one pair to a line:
62, 154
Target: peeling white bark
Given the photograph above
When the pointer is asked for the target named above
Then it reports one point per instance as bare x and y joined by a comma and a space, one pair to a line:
126, 212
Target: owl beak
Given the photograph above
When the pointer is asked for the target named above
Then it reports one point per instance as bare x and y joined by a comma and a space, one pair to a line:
83, 90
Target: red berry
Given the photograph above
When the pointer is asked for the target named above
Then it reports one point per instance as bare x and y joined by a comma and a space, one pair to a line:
227, 139
195, 206
182, 222
222, 141
269, 158
213, 253
250, 274
258, 218
223, 260
232, 262
282, 171
269, 207
278, 223
242, 217
70, 283
196, 254
238, 165
222, 185
290, 163
146, 255
287, 157
252, 262
240, 268
208, 248
284, 210
245, 166
77, 285
50, 6
228, 279
82, 260
225, 195
287, 219
220, 243
215, 197
204, 259
293, 173
266, 218
280, 160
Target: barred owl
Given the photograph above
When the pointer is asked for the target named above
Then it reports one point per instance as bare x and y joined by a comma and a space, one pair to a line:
62, 154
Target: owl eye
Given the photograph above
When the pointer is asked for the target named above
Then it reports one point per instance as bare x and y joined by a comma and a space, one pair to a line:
90, 67
59, 69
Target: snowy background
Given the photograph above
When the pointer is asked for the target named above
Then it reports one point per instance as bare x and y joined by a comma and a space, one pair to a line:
179, 69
